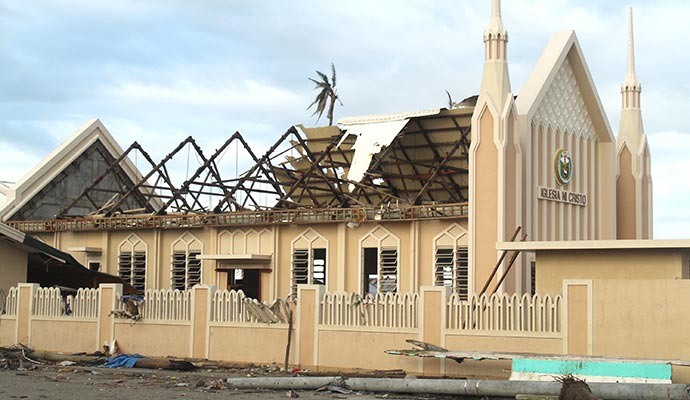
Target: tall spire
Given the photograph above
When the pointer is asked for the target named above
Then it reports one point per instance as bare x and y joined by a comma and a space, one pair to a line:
495, 34
496, 80
634, 182
631, 87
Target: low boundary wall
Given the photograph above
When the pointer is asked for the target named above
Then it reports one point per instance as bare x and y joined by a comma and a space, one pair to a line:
331, 331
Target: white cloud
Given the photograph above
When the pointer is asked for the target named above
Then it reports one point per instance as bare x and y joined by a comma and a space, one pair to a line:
245, 94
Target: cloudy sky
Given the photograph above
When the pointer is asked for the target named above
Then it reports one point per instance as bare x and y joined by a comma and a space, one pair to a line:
159, 71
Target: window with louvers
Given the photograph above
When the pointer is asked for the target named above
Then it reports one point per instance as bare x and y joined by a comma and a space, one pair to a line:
132, 268
452, 269
179, 269
139, 270
318, 273
462, 272
193, 269
444, 267
388, 270
300, 269
186, 270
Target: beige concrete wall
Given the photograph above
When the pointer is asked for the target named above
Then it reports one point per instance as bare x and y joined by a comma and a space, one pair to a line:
641, 318
14, 266
64, 335
8, 330
525, 342
365, 349
153, 339
256, 343
555, 266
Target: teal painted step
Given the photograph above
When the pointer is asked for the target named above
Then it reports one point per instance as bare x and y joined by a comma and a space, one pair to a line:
593, 368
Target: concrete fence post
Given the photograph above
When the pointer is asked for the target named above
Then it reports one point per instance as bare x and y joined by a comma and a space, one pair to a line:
202, 299
25, 300
110, 294
432, 322
308, 314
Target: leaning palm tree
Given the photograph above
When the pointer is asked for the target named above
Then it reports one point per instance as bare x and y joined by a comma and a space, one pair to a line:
327, 94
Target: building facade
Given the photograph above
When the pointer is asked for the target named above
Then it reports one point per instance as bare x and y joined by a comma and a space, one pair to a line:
383, 203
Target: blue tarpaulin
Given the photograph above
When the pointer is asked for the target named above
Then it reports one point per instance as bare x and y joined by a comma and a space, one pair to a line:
123, 360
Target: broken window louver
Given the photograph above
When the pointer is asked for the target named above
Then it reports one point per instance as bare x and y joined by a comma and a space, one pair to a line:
444, 267
318, 275
388, 270
451, 269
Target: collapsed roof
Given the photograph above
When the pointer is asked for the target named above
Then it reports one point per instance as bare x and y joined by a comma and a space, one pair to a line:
409, 158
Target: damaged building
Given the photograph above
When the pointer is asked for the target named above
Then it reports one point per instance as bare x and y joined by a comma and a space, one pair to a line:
381, 203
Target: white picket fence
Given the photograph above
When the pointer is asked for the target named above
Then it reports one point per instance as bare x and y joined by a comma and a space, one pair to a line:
11, 301
167, 305
503, 312
392, 310
49, 302
229, 306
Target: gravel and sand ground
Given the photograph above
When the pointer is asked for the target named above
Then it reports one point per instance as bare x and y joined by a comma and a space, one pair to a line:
93, 383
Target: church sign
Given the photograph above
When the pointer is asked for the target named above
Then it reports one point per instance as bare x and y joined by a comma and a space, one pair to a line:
563, 168
563, 165
562, 196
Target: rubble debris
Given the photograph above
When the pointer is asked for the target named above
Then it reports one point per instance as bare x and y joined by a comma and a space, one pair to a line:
338, 385
573, 388
139, 361
131, 310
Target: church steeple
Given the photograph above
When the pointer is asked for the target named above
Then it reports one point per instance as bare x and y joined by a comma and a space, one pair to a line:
634, 181
631, 87
495, 34
495, 80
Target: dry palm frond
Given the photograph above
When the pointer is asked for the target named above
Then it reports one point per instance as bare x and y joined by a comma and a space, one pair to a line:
327, 93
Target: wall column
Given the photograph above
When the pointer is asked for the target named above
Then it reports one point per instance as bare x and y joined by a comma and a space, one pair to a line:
308, 312
432, 322
202, 298
25, 302
110, 294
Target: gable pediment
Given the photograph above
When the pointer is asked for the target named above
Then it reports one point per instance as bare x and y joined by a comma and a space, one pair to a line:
66, 172
560, 91
563, 107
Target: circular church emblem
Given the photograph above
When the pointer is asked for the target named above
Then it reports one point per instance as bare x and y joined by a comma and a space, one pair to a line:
563, 164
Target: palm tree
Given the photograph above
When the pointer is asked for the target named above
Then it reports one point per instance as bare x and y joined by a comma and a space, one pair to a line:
451, 103
326, 95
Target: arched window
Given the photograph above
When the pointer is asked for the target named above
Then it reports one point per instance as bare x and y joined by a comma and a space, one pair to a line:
451, 267
309, 259
185, 268
132, 262
379, 262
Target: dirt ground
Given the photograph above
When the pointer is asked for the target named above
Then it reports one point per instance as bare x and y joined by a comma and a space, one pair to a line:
87, 383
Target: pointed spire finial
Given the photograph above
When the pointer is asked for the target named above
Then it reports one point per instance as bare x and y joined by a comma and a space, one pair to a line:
495, 29
631, 43
496, 8
631, 77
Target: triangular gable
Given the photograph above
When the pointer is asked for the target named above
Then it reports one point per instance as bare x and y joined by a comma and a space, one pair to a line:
564, 48
91, 134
